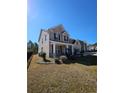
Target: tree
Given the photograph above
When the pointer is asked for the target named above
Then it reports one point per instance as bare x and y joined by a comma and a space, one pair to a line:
35, 50
32, 47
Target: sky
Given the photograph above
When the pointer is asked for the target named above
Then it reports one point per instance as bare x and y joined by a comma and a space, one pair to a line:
79, 18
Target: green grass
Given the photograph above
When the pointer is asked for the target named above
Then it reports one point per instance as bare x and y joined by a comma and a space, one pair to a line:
64, 78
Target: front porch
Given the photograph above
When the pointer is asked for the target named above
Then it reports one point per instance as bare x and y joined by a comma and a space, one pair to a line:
59, 48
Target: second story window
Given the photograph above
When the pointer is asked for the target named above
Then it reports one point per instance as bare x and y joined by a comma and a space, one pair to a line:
42, 49
42, 41
59, 36
55, 36
65, 38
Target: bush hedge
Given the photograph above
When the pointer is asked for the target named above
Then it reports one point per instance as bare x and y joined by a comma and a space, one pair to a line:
43, 54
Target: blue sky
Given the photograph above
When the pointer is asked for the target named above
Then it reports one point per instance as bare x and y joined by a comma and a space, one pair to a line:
79, 18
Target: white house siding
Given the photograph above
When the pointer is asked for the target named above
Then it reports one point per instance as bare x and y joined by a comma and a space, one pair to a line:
45, 44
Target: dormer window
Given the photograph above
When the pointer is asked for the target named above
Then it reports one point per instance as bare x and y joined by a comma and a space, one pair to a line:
65, 38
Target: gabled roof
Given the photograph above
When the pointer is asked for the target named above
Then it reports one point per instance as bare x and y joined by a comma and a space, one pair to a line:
53, 29
72, 41
59, 28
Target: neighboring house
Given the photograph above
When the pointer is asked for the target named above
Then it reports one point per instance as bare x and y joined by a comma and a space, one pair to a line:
79, 46
56, 41
83, 46
92, 47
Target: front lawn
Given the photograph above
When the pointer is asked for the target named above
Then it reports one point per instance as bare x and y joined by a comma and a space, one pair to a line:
64, 78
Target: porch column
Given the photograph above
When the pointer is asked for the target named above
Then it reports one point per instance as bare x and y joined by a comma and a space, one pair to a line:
54, 50
72, 49
67, 48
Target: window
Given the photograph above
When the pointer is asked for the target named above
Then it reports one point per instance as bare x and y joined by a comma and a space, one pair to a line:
45, 37
59, 36
42, 49
42, 41
65, 38
54, 35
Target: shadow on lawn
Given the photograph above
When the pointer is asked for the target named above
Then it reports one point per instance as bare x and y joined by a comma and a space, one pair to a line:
85, 60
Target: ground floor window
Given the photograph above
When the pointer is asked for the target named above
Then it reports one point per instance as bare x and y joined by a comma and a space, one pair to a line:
42, 49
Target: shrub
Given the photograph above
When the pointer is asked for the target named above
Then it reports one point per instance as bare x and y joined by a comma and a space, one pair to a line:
57, 61
73, 57
63, 59
43, 54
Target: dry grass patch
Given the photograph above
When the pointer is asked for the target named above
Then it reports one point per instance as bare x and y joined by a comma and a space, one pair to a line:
53, 78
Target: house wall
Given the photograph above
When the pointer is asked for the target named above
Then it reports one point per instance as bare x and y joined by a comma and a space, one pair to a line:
44, 44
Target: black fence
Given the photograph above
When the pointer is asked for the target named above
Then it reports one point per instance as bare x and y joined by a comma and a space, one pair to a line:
29, 54
29, 58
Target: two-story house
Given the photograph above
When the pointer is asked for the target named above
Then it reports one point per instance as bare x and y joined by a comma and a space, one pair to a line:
56, 41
